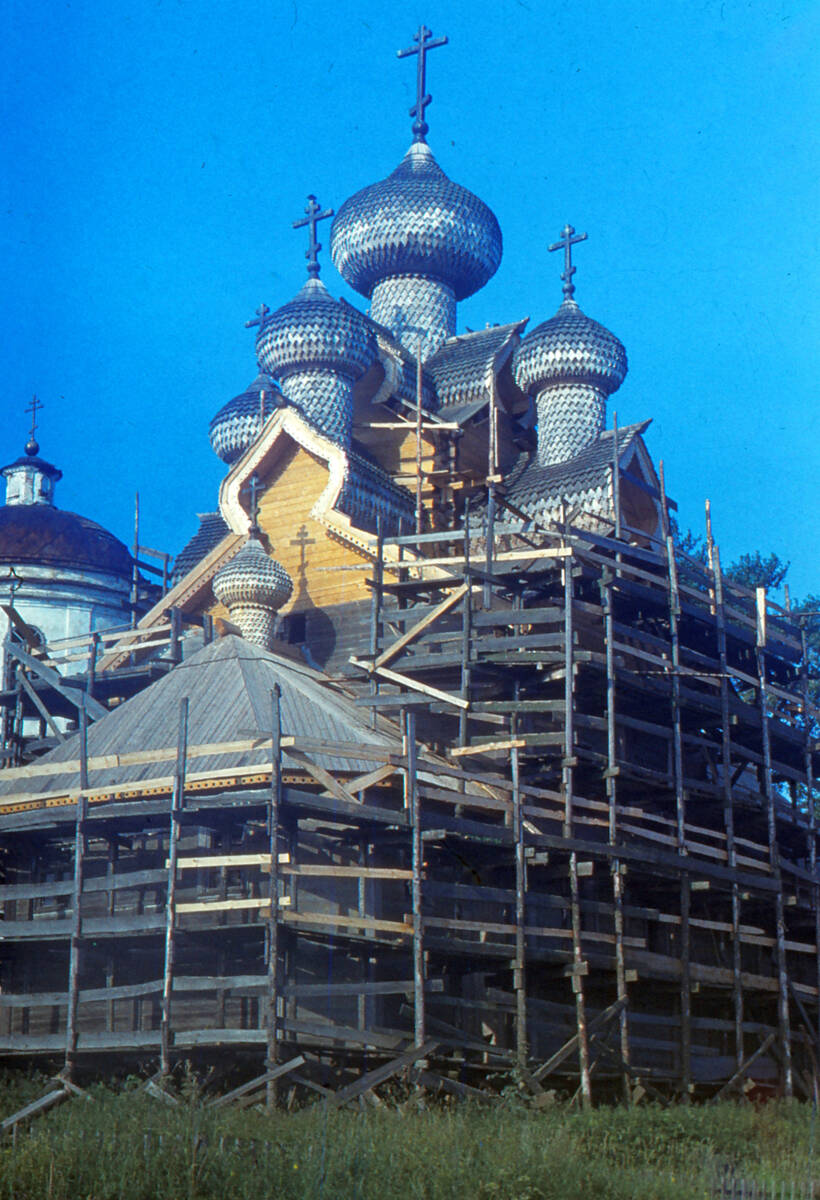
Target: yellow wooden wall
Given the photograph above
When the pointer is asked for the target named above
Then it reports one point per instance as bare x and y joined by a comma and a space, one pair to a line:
299, 542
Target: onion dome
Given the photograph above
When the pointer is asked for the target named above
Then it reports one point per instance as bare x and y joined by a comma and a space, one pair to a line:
570, 347
237, 424
316, 348
571, 364
416, 242
416, 222
253, 587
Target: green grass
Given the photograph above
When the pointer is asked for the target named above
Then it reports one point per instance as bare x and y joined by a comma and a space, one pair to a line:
110, 1149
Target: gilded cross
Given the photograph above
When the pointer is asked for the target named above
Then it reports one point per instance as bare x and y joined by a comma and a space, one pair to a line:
425, 42
34, 408
261, 312
568, 239
313, 215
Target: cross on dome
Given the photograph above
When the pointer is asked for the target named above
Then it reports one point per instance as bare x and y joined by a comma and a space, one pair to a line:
312, 218
32, 445
425, 42
254, 486
569, 238
261, 312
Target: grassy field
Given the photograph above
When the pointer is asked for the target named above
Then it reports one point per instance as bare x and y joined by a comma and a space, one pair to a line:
126, 1146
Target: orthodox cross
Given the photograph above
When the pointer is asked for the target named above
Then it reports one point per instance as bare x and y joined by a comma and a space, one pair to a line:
568, 239
313, 215
303, 540
253, 487
425, 42
261, 312
34, 408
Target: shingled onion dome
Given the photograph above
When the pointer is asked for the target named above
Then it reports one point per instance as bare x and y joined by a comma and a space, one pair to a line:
237, 424
570, 364
253, 587
414, 244
316, 348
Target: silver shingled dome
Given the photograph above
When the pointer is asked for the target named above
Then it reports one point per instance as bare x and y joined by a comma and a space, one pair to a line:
314, 330
238, 422
416, 222
253, 587
570, 346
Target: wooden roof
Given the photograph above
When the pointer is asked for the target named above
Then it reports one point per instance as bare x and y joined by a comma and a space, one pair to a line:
228, 685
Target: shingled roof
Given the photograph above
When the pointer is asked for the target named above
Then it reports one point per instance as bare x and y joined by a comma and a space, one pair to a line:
462, 367
228, 685
212, 529
584, 481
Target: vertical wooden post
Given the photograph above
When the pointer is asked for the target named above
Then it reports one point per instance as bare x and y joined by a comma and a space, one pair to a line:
466, 629
728, 798
91, 672
135, 574
77, 896
419, 448
680, 809
414, 813
520, 970
490, 543
774, 853
174, 823
612, 798
376, 599
680, 805
568, 783
175, 647
272, 931
616, 476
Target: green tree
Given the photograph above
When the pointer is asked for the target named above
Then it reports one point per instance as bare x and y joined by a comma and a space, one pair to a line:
754, 571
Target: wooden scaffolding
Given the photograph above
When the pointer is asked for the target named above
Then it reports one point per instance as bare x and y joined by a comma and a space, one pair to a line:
579, 850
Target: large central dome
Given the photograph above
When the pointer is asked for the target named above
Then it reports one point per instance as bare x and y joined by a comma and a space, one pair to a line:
416, 222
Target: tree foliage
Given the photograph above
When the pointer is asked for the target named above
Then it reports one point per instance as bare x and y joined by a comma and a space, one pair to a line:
754, 570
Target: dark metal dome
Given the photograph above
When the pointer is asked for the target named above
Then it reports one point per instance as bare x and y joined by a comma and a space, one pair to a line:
570, 346
314, 330
416, 222
46, 536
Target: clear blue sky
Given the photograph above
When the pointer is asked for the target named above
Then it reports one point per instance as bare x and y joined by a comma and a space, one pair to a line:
156, 154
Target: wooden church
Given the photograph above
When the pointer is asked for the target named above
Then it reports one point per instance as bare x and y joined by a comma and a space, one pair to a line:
436, 754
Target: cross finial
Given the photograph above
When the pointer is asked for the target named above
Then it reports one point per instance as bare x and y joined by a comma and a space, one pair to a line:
254, 487
313, 215
31, 446
568, 239
424, 42
261, 312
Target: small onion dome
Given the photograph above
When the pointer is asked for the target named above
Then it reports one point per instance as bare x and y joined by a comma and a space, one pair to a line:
239, 421
253, 587
314, 330
416, 222
570, 347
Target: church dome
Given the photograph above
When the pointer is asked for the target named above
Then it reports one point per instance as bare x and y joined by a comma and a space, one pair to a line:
253, 587
570, 347
416, 222
45, 536
239, 421
315, 331
252, 577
